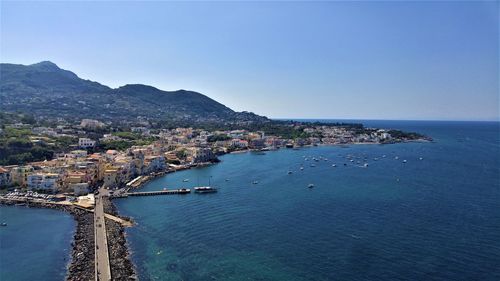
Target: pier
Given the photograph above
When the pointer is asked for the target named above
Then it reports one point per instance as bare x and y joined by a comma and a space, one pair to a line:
160, 192
102, 266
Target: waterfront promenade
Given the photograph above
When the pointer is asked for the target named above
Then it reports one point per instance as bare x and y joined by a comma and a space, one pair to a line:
102, 266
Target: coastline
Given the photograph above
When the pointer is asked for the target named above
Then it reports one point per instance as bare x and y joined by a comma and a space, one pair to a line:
81, 265
122, 267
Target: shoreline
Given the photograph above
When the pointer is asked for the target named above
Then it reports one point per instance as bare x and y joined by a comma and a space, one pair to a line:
120, 260
110, 208
81, 265
122, 267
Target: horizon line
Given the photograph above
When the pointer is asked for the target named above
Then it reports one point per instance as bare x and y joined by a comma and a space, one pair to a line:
381, 119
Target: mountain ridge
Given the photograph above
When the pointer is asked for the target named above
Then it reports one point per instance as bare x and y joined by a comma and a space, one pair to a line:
47, 91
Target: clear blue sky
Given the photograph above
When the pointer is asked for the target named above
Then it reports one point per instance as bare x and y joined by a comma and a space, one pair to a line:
363, 60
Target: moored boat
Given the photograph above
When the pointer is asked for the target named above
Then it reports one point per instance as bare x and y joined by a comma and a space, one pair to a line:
205, 189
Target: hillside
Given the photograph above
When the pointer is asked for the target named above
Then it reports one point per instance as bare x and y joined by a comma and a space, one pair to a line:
47, 91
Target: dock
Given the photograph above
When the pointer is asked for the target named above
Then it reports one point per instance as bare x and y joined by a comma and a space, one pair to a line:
102, 265
154, 193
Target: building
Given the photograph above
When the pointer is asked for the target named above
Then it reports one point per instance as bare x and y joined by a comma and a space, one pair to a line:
86, 143
4, 177
76, 153
239, 143
80, 188
40, 181
19, 175
154, 163
257, 143
110, 177
91, 124
202, 155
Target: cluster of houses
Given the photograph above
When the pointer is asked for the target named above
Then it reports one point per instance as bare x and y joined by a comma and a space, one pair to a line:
80, 172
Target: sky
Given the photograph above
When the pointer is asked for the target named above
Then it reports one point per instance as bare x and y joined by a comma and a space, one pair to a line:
339, 60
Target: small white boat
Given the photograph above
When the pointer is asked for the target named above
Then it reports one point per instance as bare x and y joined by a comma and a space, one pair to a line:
301, 168
290, 172
404, 161
310, 185
205, 189
365, 165
420, 158
312, 165
255, 182
185, 180
334, 165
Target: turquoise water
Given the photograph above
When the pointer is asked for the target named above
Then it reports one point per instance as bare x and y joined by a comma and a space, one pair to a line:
35, 244
431, 219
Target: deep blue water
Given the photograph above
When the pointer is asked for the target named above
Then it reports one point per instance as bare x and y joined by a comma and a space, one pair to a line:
431, 219
35, 244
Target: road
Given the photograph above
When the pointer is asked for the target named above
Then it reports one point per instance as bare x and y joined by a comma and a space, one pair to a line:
102, 267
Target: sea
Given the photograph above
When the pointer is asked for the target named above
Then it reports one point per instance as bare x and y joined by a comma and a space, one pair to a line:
416, 211
35, 244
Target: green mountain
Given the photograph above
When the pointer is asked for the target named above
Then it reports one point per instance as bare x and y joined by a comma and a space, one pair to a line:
47, 91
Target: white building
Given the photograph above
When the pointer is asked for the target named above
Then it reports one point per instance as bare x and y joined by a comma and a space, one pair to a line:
47, 182
85, 143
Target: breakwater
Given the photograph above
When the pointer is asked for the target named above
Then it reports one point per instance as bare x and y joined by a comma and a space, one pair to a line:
119, 256
82, 265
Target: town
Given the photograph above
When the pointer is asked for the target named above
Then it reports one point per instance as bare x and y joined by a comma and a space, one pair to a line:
97, 156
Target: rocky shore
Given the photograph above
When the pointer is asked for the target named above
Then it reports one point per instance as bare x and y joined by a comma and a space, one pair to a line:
121, 266
82, 265
82, 256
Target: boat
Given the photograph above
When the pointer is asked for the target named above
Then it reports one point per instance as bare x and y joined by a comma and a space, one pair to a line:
365, 165
3, 224
420, 158
205, 189
404, 161
290, 172
310, 185
312, 165
185, 180
301, 168
255, 182
184, 191
334, 165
